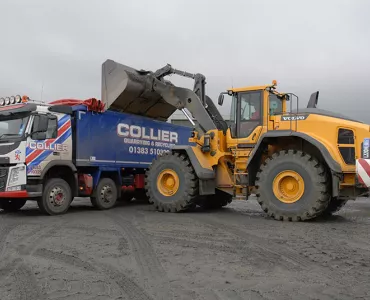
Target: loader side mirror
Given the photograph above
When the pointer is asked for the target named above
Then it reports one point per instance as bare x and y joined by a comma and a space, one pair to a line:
221, 99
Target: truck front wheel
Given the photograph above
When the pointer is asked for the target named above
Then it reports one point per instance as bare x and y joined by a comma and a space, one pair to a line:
171, 183
292, 186
105, 194
56, 198
12, 205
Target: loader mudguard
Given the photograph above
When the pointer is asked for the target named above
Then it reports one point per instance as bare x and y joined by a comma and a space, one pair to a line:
332, 164
203, 170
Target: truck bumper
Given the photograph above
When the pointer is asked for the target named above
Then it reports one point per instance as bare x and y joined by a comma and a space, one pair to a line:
14, 194
363, 171
28, 191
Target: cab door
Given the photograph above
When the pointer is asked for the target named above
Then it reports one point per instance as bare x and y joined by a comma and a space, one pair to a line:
249, 118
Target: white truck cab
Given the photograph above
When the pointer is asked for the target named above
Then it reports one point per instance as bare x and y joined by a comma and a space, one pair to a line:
34, 139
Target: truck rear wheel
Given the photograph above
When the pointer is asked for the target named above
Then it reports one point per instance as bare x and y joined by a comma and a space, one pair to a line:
105, 194
171, 183
12, 205
292, 186
56, 198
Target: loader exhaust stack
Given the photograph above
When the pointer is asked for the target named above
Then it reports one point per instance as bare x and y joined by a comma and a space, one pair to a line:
128, 90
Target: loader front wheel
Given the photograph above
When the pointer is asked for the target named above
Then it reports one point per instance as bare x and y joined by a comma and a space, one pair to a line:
292, 186
171, 183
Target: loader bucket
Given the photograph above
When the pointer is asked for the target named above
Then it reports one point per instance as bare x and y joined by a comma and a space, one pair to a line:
128, 90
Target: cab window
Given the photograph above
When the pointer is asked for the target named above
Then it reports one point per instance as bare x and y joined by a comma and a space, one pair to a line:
250, 112
52, 131
275, 105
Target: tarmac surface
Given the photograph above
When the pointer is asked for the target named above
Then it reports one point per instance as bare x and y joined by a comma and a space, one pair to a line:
133, 252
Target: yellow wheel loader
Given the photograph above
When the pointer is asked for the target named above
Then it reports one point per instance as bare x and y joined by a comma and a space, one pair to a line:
299, 162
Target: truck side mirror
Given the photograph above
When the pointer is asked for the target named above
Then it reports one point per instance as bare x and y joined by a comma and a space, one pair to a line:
221, 99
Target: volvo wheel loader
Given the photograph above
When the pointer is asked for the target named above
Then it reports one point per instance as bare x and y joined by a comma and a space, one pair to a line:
299, 162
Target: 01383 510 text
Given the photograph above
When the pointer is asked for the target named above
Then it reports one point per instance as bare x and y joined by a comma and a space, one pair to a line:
146, 150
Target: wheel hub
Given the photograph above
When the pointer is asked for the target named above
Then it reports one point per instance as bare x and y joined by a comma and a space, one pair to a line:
57, 196
288, 186
106, 194
168, 182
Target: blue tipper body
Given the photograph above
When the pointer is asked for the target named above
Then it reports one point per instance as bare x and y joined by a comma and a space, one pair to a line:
115, 139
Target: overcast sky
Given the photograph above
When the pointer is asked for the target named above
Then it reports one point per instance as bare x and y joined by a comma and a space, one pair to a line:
304, 45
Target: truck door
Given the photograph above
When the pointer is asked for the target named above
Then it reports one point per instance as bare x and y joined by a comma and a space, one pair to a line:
49, 145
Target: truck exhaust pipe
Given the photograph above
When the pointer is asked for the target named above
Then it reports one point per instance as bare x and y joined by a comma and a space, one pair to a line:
128, 90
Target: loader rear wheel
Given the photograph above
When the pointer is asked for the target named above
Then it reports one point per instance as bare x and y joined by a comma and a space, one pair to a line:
171, 183
334, 206
292, 186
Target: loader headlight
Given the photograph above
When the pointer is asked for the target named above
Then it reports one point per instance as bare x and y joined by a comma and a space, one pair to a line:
14, 175
7, 100
18, 99
2, 101
12, 100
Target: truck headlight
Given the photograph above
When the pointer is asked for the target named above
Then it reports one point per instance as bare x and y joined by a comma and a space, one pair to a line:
14, 175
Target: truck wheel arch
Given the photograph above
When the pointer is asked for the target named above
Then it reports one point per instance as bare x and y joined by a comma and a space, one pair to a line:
253, 161
51, 166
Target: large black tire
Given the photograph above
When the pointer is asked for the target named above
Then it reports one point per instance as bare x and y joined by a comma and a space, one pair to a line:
315, 197
184, 198
105, 194
334, 206
12, 205
56, 197
216, 201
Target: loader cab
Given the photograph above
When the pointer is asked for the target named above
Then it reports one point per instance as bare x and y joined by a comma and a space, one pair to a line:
251, 109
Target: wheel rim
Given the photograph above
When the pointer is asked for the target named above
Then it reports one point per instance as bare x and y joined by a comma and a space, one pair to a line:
168, 182
106, 194
288, 186
57, 197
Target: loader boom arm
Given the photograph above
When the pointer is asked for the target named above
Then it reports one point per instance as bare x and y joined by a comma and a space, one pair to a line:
147, 93
193, 106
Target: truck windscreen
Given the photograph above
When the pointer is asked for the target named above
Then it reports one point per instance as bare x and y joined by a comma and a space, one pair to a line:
13, 126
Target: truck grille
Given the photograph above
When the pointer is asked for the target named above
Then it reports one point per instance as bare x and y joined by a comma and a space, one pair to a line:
3, 178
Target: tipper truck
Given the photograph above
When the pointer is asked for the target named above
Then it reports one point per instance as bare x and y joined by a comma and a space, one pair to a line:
54, 152
299, 162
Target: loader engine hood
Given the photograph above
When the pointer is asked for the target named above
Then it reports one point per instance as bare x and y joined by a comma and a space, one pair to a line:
128, 90
322, 112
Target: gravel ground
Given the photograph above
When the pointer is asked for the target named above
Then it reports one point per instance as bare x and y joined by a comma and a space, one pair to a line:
133, 252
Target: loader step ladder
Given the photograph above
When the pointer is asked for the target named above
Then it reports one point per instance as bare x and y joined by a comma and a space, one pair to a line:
239, 189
